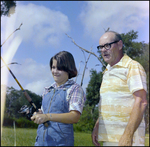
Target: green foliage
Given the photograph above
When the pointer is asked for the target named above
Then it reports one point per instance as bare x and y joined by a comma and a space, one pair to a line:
130, 47
8, 121
22, 122
85, 124
6, 8
25, 123
15, 99
92, 90
144, 58
12, 102
87, 120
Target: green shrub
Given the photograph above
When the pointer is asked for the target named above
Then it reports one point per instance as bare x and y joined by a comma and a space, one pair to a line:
25, 123
22, 122
87, 120
8, 121
85, 124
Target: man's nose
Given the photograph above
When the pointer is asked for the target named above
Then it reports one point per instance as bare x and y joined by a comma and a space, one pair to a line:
103, 49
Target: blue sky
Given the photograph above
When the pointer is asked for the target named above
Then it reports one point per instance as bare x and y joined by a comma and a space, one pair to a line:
42, 35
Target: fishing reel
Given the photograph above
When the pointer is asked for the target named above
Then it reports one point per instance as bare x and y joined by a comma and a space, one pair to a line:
28, 111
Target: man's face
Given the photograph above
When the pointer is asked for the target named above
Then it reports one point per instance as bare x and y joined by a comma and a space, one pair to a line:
110, 56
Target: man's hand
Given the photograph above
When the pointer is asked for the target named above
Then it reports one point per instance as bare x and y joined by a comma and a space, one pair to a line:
126, 140
95, 137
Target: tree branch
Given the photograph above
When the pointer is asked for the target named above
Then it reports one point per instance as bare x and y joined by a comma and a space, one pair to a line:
86, 50
85, 68
78, 71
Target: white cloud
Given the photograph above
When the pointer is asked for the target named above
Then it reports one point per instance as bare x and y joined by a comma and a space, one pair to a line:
31, 75
9, 51
41, 26
120, 16
36, 86
37, 74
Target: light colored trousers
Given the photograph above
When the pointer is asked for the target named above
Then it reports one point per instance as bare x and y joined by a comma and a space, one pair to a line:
110, 143
116, 144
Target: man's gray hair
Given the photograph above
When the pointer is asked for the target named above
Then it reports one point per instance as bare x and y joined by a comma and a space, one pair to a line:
117, 35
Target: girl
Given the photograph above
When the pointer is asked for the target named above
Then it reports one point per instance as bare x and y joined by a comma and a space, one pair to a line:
62, 104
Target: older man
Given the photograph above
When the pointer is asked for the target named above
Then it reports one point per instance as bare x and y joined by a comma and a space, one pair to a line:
122, 97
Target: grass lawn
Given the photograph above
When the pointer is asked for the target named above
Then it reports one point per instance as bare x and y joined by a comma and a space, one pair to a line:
26, 137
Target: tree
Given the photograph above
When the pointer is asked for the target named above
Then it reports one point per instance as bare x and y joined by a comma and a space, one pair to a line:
92, 90
8, 8
87, 121
11, 97
130, 47
15, 99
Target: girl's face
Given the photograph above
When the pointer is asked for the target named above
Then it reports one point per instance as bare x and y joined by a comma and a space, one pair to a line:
59, 76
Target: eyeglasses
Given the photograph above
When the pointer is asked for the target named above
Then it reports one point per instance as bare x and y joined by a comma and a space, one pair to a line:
107, 46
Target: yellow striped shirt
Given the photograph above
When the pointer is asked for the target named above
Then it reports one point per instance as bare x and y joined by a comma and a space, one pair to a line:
116, 99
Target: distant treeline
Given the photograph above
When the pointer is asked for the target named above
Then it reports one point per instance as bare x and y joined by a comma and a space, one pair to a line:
15, 100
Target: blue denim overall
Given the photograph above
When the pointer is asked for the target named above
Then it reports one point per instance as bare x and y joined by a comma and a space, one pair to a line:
56, 134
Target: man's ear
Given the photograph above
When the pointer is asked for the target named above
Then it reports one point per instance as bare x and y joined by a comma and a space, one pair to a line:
120, 44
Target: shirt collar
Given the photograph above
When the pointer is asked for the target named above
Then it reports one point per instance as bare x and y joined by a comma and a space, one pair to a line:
124, 61
54, 85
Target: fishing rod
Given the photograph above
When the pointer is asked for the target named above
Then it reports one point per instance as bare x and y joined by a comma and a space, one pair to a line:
25, 93
10, 63
25, 109
11, 34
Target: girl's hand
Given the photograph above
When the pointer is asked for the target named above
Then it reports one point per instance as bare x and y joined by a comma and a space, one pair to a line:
39, 118
39, 112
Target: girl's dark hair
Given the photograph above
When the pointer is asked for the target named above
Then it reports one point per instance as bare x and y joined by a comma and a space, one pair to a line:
65, 62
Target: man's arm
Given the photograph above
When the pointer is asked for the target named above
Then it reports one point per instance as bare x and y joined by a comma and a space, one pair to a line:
135, 118
95, 134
